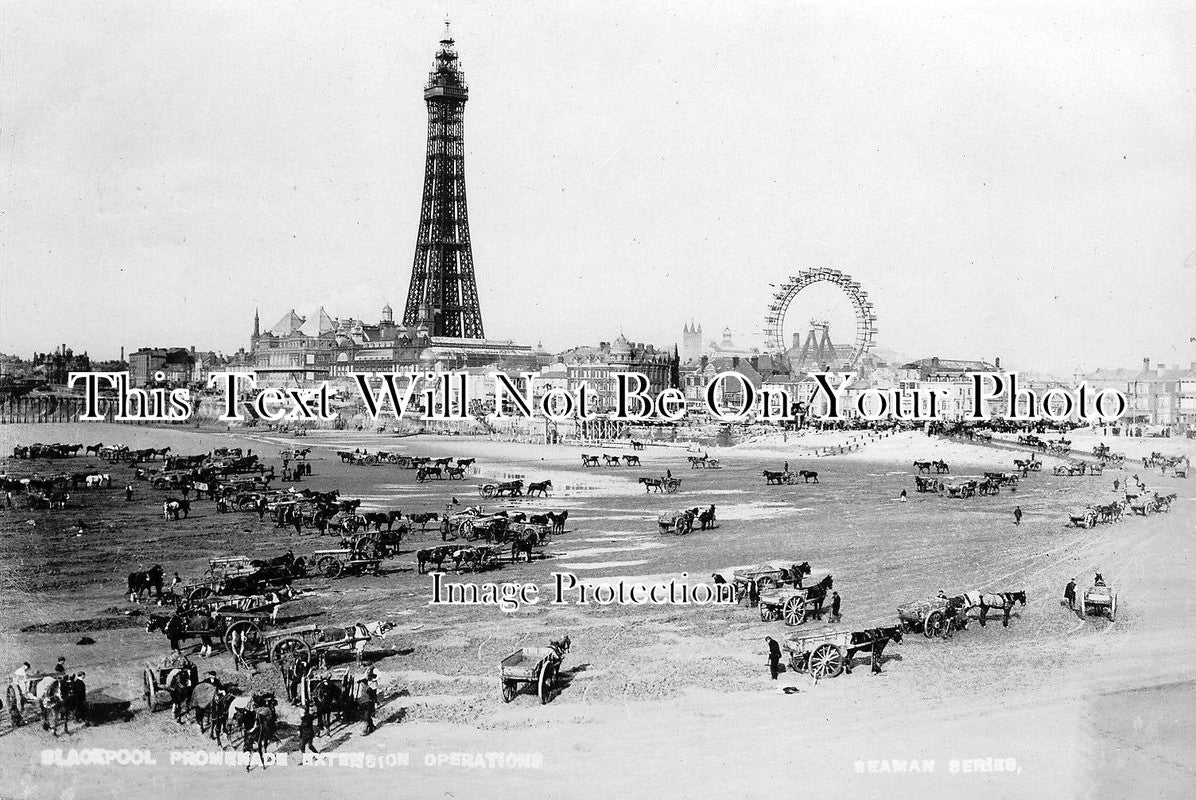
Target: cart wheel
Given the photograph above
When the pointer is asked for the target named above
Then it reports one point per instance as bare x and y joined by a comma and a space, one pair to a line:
290, 648
795, 611
547, 679
330, 566
826, 661
487, 491
508, 691
935, 625
800, 663
200, 593
672, 488
14, 707
245, 637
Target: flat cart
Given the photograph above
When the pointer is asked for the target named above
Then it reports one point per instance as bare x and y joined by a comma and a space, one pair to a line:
822, 654
1101, 600
336, 562
530, 666
762, 577
928, 616
160, 676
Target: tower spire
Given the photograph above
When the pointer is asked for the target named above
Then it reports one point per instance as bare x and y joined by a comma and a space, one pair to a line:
257, 324
443, 294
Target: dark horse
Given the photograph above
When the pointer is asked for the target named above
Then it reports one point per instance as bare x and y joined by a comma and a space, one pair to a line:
706, 518
817, 593
150, 579
185, 625
872, 640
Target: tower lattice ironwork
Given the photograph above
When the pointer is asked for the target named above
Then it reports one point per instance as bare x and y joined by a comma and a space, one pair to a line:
443, 295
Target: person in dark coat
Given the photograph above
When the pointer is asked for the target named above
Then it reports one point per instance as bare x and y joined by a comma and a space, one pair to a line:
1069, 594
76, 697
1017, 515
261, 508
836, 605
774, 657
129, 493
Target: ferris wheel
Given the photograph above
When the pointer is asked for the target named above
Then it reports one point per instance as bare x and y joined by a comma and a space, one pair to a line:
865, 317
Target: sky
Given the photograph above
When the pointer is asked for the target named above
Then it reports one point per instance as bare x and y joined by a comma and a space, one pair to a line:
1013, 179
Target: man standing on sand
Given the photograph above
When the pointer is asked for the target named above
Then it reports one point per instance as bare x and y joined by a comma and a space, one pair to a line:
369, 706
1017, 515
1069, 594
129, 493
774, 657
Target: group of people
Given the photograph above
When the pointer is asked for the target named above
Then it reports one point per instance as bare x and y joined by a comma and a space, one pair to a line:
70, 689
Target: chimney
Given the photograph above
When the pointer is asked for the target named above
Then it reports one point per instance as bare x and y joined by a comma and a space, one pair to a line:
998, 363
705, 361
1146, 364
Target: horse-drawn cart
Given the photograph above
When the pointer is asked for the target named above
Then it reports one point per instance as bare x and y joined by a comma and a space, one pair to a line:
362, 556
532, 666
1101, 600
165, 674
929, 616
21, 696
793, 604
678, 523
502, 489
307, 640
822, 654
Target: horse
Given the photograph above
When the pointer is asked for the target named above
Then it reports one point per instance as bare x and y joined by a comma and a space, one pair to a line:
772, 478
941, 466
173, 509
923, 466
872, 640
361, 633
817, 593
455, 473
524, 542
610, 461
51, 703
589, 461
463, 463
632, 461
183, 625
145, 581
652, 483
327, 697
557, 519
423, 518
93, 449
999, 600
808, 475
706, 519
540, 487
433, 555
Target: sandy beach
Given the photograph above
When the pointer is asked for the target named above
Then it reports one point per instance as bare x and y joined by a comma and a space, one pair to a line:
657, 699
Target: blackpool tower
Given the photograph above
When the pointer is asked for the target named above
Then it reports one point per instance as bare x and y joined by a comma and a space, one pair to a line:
443, 294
